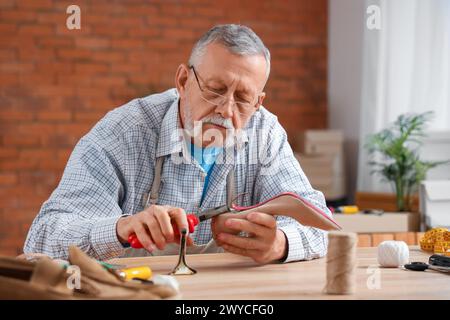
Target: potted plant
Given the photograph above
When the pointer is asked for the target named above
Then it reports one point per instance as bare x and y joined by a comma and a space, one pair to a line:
400, 163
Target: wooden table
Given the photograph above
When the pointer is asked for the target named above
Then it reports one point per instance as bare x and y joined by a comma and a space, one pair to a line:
228, 276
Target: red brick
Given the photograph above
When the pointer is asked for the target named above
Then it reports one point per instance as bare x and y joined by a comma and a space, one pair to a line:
8, 153
141, 9
62, 30
127, 68
16, 66
37, 54
177, 34
56, 41
36, 29
209, 12
56, 18
8, 179
38, 177
22, 200
162, 21
74, 54
88, 116
7, 27
20, 140
35, 129
54, 90
176, 9
35, 4
64, 154
161, 44
194, 23
54, 116
9, 79
145, 32
128, 44
108, 56
73, 129
54, 67
96, 18
105, 30
15, 115
16, 164
92, 43
59, 140
72, 81
90, 69
17, 15
109, 81
7, 4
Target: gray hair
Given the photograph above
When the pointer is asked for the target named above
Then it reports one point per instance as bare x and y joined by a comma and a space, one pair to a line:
240, 40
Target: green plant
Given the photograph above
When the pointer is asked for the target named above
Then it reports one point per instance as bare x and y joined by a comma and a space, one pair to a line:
399, 163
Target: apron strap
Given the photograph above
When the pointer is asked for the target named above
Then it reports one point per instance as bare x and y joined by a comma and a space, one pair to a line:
230, 188
154, 192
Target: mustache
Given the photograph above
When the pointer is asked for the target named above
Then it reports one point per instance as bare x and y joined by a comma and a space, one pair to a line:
218, 120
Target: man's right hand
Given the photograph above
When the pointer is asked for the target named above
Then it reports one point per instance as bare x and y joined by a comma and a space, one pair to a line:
153, 226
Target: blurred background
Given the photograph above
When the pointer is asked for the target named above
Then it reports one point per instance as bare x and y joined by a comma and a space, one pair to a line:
57, 83
333, 81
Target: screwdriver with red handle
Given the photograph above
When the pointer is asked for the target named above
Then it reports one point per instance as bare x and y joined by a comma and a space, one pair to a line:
192, 220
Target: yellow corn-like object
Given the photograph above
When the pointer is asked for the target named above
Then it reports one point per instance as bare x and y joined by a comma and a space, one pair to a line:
348, 209
436, 240
142, 273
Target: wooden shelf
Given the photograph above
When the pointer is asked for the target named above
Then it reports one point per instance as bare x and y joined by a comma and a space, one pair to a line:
374, 239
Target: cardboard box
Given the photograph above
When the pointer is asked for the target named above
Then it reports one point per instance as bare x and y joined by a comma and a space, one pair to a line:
387, 222
318, 166
322, 142
435, 203
325, 173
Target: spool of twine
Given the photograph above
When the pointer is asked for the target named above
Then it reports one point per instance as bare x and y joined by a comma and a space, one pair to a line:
341, 263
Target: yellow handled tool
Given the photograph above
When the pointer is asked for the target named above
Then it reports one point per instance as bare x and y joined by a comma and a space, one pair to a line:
347, 209
141, 273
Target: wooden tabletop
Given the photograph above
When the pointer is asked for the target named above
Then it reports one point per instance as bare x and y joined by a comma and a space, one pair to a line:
228, 276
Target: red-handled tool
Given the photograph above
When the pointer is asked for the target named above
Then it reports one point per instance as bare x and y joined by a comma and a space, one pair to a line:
192, 219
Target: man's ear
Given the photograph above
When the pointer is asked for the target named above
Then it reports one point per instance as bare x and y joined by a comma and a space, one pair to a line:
261, 98
181, 77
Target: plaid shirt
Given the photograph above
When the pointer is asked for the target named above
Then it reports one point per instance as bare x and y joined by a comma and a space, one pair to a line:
111, 169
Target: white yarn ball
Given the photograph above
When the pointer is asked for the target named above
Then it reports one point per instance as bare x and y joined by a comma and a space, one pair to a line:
393, 253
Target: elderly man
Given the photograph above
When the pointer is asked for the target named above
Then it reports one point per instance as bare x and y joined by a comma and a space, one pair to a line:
148, 163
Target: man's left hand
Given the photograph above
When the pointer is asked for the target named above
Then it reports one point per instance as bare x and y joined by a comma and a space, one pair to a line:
265, 242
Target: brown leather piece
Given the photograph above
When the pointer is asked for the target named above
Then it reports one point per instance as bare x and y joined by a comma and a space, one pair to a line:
288, 204
284, 204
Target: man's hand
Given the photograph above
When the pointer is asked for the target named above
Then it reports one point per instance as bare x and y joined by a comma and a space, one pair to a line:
266, 243
153, 226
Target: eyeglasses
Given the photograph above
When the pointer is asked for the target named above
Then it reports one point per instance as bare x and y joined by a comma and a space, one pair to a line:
244, 104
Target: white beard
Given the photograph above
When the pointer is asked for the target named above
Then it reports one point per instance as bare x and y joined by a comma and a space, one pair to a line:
194, 128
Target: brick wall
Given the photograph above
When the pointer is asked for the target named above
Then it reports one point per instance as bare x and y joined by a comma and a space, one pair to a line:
56, 83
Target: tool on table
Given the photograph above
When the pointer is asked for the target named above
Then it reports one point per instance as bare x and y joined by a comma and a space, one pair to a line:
192, 219
182, 268
133, 273
140, 273
435, 262
377, 212
111, 266
347, 209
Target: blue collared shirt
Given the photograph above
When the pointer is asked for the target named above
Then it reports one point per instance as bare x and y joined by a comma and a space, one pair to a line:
110, 172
